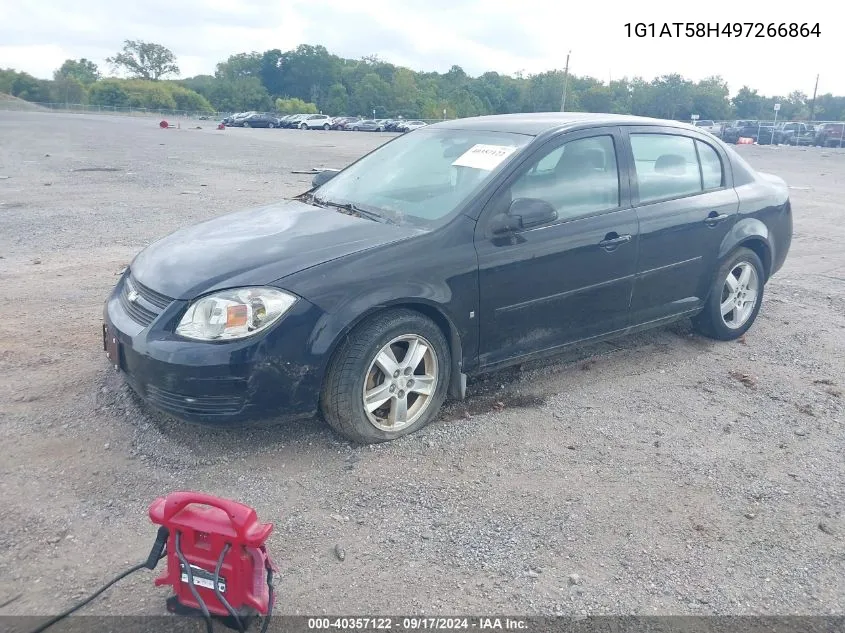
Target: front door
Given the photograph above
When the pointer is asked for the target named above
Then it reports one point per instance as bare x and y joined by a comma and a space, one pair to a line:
685, 206
571, 278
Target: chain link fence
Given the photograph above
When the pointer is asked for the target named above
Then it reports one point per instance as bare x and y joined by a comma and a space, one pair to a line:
80, 108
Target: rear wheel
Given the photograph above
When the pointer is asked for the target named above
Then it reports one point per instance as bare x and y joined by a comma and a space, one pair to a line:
735, 297
355, 129
388, 378
302, 126
271, 125
326, 126
246, 124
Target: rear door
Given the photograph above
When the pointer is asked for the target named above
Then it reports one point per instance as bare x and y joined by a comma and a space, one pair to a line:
685, 202
567, 280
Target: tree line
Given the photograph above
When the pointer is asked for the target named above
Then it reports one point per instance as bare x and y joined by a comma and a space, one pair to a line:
311, 79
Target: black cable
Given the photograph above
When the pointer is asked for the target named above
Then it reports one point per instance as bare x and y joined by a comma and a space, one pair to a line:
79, 605
270, 598
219, 594
208, 626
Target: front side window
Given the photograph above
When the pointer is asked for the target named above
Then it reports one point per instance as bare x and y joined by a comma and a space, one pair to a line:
666, 166
578, 178
424, 177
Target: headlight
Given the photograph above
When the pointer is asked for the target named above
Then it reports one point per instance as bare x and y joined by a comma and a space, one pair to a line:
234, 314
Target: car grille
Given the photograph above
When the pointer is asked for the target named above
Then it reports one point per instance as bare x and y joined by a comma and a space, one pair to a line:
147, 303
203, 405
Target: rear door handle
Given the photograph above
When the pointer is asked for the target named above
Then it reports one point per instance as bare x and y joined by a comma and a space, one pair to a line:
612, 240
714, 218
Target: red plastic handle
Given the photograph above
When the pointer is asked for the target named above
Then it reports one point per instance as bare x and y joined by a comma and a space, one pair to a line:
240, 516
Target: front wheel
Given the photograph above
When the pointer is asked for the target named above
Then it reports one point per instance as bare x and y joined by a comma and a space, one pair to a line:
388, 378
303, 127
271, 125
735, 297
326, 127
246, 124
355, 129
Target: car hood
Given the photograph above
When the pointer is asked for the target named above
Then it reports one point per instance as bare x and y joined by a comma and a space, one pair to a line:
256, 247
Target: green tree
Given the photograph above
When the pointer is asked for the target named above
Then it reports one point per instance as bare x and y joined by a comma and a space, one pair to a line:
145, 60
68, 90
673, 97
108, 92
82, 70
337, 100
240, 66
747, 103
295, 106
25, 86
710, 99
371, 94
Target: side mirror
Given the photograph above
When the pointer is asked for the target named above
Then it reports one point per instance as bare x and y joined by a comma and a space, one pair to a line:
524, 213
323, 177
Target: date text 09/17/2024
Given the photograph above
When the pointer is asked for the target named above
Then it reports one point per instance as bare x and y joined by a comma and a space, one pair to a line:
417, 623
723, 29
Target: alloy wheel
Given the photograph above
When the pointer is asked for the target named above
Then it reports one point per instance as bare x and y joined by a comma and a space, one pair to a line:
739, 295
400, 383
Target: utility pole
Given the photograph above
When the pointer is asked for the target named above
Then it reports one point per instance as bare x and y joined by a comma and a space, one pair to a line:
565, 81
813, 102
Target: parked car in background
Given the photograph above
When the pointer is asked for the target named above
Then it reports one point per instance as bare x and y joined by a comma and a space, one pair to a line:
260, 120
393, 124
709, 126
409, 126
236, 120
805, 136
339, 122
786, 132
468, 246
765, 133
738, 129
830, 135
368, 125
294, 120
315, 122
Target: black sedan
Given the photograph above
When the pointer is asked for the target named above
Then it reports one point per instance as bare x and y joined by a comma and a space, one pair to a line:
460, 248
261, 120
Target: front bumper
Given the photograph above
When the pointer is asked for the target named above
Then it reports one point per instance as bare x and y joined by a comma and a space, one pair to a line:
227, 383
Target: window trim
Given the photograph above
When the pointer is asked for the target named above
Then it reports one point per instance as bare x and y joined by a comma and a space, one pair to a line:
544, 149
628, 131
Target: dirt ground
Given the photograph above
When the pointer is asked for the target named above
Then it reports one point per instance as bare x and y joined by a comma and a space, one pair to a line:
658, 474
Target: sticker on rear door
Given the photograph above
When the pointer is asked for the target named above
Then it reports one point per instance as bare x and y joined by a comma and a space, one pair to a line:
486, 157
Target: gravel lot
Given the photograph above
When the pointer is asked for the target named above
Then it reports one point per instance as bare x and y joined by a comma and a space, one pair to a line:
660, 474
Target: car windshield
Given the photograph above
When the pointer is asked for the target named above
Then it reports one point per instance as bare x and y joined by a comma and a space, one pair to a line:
424, 177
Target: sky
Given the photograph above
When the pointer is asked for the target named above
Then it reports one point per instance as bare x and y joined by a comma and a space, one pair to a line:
507, 36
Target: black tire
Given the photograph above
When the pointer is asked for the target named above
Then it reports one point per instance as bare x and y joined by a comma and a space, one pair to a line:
246, 124
355, 129
326, 127
710, 322
302, 126
342, 403
271, 125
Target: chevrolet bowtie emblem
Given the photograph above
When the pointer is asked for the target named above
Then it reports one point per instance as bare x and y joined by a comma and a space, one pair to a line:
132, 296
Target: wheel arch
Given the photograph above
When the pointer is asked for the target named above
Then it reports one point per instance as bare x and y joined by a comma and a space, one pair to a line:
430, 310
749, 233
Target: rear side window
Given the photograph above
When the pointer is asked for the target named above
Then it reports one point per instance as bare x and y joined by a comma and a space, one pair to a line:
666, 166
711, 166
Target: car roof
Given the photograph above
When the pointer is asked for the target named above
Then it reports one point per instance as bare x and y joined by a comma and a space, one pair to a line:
536, 123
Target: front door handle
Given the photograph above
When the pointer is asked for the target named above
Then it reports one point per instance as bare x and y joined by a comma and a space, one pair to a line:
612, 240
714, 218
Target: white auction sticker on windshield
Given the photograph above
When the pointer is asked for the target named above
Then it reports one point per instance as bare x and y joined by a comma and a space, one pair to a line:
486, 157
